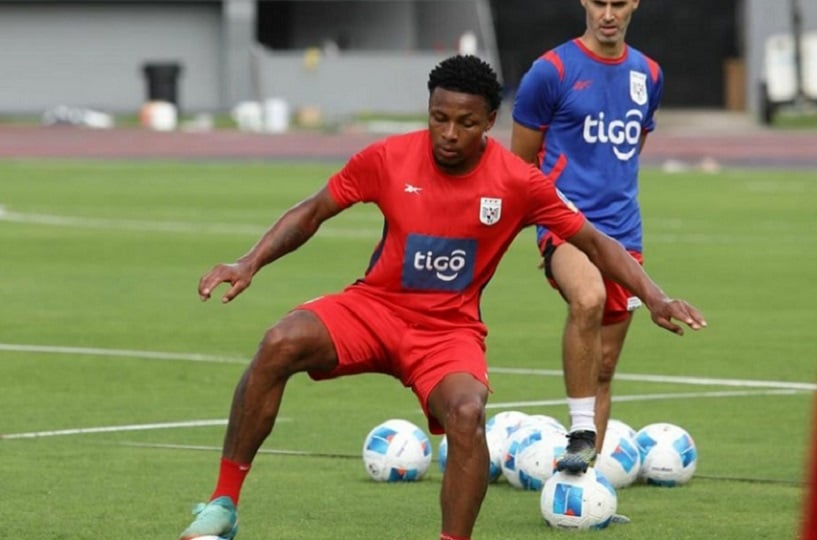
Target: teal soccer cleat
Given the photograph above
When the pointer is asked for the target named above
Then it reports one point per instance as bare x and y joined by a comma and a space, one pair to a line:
216, 519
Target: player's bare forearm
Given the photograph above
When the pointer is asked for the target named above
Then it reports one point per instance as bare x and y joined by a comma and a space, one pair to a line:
290, 232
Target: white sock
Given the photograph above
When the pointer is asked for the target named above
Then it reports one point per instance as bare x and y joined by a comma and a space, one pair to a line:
582, 414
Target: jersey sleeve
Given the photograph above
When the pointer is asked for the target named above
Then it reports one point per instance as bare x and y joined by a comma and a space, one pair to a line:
549, 208
538, 94
656, 94
359, 180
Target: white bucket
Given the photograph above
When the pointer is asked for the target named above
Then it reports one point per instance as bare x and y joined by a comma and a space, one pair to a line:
276, 115
159, 115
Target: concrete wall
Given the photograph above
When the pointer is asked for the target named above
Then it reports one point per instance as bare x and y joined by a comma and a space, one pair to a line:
354, 82
90, 55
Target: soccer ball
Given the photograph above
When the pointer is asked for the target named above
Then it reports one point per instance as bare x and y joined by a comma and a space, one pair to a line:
619, 459
396, 451
495, 439
442, 453
496, 447
497, 430
531, 456
669, 456
543, 422
583, 501
509, 421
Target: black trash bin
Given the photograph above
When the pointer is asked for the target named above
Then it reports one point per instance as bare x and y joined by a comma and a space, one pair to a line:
162, 81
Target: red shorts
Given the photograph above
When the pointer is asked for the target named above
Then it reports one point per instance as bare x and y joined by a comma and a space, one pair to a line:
620, 301
370, 337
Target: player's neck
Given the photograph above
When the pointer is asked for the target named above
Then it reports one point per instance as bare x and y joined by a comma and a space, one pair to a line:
603, 50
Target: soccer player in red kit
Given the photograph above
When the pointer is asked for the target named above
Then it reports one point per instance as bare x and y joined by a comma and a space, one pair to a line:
453, 200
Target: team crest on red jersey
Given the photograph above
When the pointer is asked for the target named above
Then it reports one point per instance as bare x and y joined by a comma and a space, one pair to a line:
638, 87
490, 210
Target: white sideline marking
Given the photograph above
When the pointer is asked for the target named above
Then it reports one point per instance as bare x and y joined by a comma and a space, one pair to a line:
699, 381
772, 387
151, 355
192, 357
651, 397
113, 429
117, 429
273, 451
171, 226
368, 232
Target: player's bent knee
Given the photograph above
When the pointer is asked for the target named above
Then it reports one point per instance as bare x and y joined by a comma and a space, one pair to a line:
279, 351
588, 307
466, 418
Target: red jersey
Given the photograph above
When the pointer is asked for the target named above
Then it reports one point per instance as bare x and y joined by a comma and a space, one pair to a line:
444, 235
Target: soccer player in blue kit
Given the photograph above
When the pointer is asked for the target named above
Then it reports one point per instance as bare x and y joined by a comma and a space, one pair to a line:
584, 108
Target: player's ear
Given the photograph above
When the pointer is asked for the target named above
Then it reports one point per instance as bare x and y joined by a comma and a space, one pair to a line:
491, 120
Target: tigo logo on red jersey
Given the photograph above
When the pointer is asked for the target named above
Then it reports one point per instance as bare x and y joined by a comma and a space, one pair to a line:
438, 264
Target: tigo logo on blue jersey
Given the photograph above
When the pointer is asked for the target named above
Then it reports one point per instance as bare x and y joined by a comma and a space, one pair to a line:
626, 133
432, 263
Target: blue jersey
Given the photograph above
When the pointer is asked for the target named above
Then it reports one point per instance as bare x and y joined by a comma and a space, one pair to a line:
593, 111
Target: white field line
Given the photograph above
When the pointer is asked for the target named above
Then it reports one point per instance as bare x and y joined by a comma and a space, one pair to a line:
697, 381
113, 429
204, 448
193, 357
330, 231
772, 387
504, 405
652, 397
117, 429
172, 226
148, 355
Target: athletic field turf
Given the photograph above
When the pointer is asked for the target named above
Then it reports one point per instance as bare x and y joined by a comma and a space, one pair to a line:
115, 379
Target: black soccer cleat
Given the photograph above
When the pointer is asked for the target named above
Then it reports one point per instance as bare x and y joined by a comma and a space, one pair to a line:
579, 454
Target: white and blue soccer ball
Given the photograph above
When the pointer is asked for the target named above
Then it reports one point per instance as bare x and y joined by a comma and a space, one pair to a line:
578, 501
507, 421
669, 455
396, 451
619, 459
497, 430
543, 422
530, 456
442, 453
495, 438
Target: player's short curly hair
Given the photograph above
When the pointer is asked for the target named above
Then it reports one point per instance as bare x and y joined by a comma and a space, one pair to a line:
467, 74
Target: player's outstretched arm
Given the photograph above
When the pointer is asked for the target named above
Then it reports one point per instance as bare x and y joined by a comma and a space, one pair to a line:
291, 231
614, 262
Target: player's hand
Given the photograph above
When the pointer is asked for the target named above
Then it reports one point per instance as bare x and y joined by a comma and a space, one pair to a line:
238, 275
671, 309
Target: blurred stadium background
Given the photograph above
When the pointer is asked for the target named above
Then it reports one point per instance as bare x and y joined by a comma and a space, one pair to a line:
325, 61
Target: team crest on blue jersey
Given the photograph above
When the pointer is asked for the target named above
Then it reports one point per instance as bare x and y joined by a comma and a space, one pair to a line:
433, 263
490, 210
638, 87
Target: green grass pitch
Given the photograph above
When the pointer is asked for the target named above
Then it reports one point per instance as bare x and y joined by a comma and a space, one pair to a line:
104, 341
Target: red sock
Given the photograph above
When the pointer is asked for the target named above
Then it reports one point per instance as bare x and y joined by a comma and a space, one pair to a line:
231, 476
444, 536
